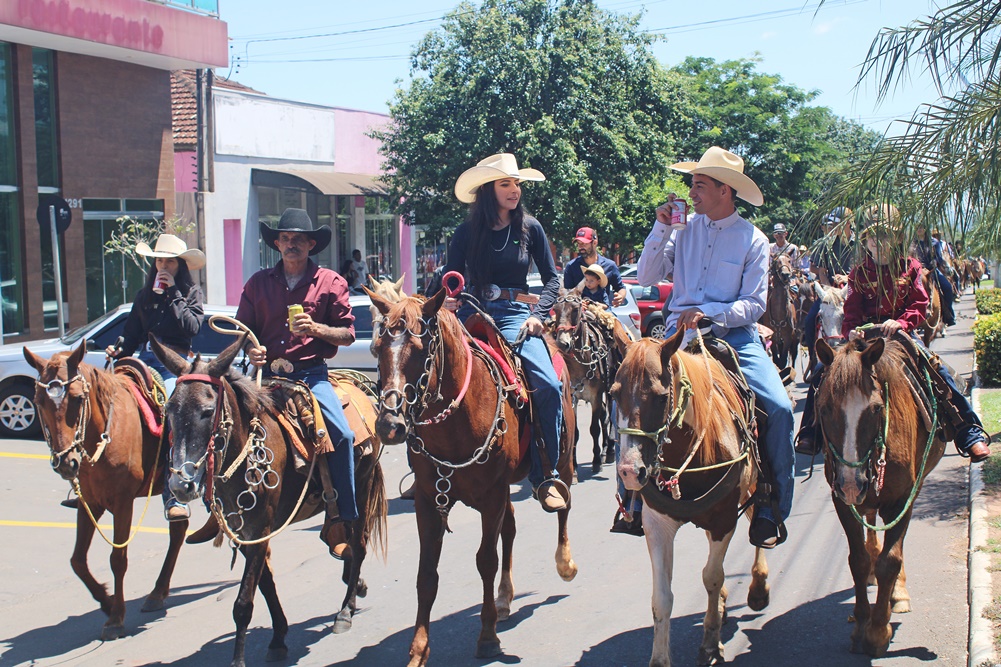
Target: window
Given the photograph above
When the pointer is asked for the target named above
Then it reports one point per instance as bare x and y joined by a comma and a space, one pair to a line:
11, 271
46, 146
380, 238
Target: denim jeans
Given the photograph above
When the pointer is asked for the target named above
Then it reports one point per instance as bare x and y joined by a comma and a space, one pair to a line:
341, 461
810, 325
545, 386
169, 382
948, 298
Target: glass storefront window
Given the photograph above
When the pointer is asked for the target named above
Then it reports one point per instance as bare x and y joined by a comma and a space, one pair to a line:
11, 292
8, 167
46, 146
380, 239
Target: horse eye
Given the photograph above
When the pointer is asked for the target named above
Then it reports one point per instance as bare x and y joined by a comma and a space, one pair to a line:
208, 413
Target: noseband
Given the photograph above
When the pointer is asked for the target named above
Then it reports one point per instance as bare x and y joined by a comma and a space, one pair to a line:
55, 389
222, 426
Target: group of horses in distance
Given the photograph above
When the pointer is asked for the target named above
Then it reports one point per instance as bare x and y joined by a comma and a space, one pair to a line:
454, 396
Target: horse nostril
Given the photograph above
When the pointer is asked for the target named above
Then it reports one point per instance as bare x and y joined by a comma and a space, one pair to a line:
641, 475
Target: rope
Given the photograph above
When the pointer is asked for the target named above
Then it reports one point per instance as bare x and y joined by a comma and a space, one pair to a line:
239, 329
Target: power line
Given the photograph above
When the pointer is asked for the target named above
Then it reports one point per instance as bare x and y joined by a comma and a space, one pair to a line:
747, 18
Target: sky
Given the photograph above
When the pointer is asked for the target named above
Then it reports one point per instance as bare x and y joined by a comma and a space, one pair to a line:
361, 57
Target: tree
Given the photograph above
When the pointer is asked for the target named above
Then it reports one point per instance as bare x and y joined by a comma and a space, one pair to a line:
570, 89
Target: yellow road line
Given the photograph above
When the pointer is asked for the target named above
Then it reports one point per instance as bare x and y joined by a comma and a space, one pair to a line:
14, 455
68, 524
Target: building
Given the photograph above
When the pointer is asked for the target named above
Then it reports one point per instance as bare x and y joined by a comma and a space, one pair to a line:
85, 114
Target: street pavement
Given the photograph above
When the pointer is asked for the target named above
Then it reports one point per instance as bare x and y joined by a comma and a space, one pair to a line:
602, 618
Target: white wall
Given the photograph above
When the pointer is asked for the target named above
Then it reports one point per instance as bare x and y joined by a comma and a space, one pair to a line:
258, 126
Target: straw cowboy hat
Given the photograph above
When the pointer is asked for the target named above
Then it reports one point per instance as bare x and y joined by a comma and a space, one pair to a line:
880, 217
727, 168
296, 220
493, 168
168, 245
597, 272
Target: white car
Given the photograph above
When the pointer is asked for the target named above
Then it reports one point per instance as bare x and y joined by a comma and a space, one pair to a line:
17, 377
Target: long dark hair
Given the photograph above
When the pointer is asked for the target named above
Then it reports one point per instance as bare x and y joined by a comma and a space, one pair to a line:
183, 278
482, 218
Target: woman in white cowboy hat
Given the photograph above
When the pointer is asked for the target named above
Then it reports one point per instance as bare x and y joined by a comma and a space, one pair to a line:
493, 249
169, 306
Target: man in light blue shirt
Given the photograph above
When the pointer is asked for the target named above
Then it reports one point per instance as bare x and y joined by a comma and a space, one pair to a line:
719, 264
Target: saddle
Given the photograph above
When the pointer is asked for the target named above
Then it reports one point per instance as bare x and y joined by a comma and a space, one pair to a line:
148, 388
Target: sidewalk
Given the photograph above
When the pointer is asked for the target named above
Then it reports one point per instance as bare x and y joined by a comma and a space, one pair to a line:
981, 585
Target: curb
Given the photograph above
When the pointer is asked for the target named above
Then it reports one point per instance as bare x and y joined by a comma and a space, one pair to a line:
981, 645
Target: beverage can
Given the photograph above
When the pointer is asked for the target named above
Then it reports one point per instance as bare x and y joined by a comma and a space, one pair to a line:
159, 285
679, 214
293, 310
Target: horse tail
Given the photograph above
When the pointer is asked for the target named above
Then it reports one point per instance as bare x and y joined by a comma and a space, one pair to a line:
376, 510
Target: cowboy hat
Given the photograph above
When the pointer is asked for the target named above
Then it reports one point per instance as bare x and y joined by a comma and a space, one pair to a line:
884, 218
493, 168
168, 245
599, 273
296, 220
727, 168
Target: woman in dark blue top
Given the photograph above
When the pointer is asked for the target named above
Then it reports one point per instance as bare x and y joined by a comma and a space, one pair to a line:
494, 249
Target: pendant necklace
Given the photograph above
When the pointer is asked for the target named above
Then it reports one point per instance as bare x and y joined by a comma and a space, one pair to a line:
505, 240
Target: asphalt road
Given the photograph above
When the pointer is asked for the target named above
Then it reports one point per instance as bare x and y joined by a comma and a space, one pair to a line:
602, 618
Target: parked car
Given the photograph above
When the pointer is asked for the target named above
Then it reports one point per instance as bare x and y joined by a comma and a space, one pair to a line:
627, 271
650, 301
17, 377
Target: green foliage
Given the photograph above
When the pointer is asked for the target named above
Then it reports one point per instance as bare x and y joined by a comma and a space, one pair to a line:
988, 301
987, 343
134, 230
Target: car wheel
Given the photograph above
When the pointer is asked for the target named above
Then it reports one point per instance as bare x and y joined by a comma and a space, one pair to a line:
656, 329
18, 417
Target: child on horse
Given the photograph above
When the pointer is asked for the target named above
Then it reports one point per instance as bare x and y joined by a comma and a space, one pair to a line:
885, 290
595, 282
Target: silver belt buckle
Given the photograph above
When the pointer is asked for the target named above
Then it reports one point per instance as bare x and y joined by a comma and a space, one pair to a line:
491, 292
280, 365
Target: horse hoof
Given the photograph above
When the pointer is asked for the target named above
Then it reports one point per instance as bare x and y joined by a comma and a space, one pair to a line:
276, 654
709, 657
596, 466
901, 607
609, 455
361, 590
341, 625
757, 601
568, 572
503, 610
112, 632
152, 604
488, 649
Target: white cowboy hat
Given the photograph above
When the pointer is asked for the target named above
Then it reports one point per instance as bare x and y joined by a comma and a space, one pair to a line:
727, 168
168, 245
493, 168
599, 273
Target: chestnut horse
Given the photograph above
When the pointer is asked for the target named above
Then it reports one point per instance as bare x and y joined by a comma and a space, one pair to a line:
677, 410
593, 347
933, 324
780, 311
92, 423
878, 448
229, 446
463, 422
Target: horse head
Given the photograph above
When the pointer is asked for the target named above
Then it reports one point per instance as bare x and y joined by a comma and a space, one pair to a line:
851, 413
390, 291
566, 318
832, 311
781, 269
62, 396
409, 338
645, 395
195, 415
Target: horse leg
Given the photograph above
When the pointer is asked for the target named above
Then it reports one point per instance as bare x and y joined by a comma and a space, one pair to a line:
565, 565
711, 651
900, 598
608, 414
878, 631
243, 608
115, 625
758, 593
429, 531
277, 650
505, 592
491, 519
859, 564
78, 561
660, 531
351, 576
154, 601
597, 414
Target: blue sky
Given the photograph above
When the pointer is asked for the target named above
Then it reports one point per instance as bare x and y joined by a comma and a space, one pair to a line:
813, 50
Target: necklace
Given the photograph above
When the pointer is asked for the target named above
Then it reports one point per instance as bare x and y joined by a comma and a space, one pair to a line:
505, 240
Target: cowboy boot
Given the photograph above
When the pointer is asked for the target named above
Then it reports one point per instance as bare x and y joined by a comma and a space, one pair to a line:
205, 533
336, 534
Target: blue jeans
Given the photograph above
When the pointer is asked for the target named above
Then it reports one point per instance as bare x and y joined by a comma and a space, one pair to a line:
948, 298
169, 382
810, 325
341, 461
545, 386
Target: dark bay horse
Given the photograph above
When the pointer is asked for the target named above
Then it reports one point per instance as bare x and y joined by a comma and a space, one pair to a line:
593, 346
780, 311
229, 447
92, 423
879, 446
464, 424
934, 323
683, 443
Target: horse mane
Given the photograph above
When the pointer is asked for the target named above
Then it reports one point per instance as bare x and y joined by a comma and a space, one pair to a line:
833, 297
103, 384
251, 398
714, 420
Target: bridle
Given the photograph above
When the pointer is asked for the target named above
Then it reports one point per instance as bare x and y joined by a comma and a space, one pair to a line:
222, 427
590, 346
55, 389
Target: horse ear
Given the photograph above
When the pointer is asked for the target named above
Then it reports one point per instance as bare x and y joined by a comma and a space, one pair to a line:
872, 353
381, 304
399, 283
670, 346
36, 361
171, 360
819, 290
825, 353
73, 361
219, 365
433, 305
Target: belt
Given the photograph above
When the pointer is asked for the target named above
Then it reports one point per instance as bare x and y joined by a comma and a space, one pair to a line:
510, 294
279, 365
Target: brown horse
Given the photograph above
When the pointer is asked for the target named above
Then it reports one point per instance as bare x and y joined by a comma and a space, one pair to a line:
780, 311
229, 446
390, 291
593, 347
933, 324
879, 447
674, 411
465, 424
92, 423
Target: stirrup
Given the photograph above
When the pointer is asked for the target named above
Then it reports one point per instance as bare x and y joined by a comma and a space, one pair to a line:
556, 483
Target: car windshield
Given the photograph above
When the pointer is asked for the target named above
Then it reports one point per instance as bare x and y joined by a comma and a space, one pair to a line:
74, 335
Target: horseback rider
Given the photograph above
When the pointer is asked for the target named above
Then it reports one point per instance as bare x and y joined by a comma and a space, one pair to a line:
886, 290
929, 252
298, 350
832, 258
720, 267
493, 250
588, 255
782, 245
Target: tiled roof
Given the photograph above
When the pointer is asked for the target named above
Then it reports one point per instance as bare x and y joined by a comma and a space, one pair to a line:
184, 105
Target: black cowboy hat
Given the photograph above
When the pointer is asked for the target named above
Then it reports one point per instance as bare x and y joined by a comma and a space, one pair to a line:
296, 220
